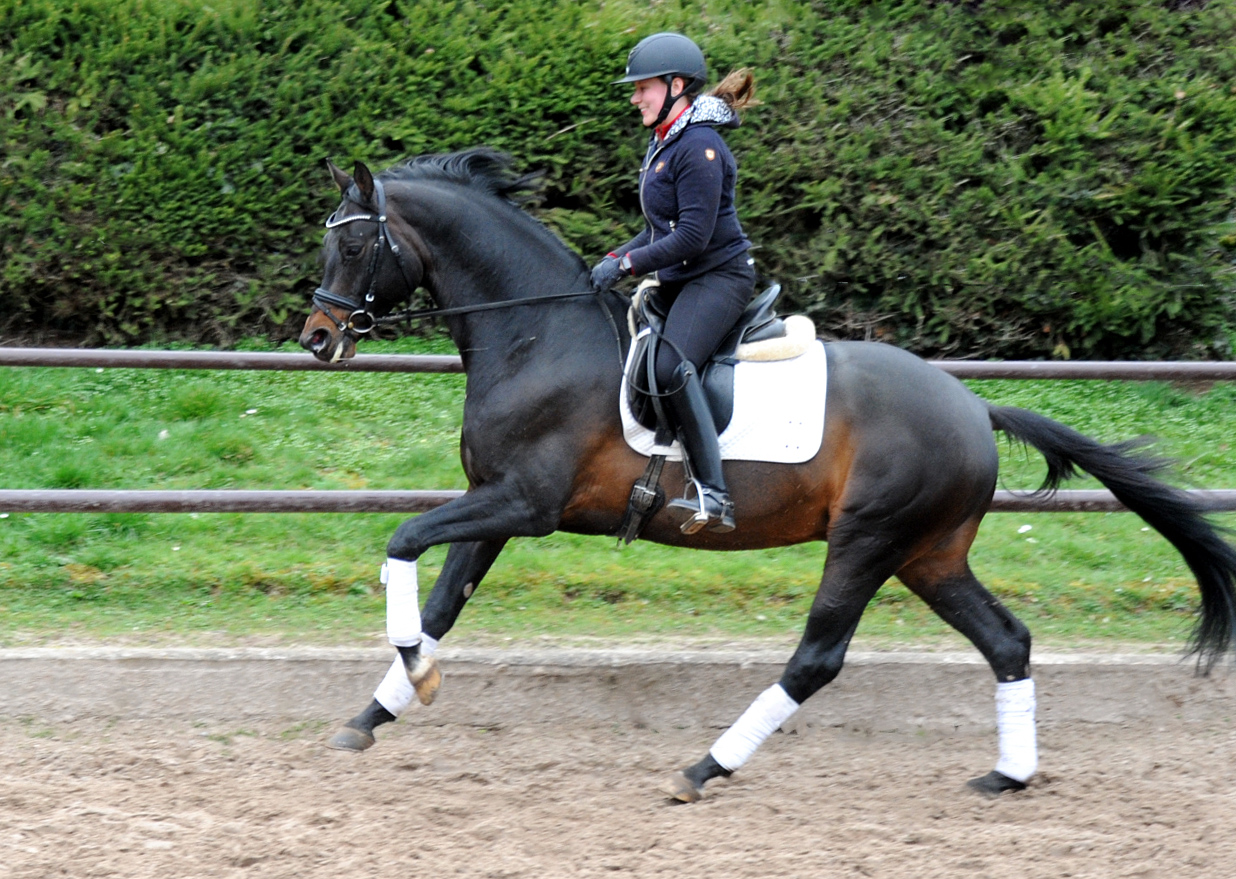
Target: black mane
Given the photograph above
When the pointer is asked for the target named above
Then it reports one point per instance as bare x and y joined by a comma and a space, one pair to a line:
482, 168
485, 170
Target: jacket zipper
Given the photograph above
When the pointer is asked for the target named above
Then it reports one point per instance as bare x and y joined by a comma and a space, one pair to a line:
643, 178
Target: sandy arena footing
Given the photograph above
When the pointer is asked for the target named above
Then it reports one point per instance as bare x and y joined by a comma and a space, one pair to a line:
544, 763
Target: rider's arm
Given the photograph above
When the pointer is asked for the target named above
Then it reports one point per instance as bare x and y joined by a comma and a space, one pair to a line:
638, 241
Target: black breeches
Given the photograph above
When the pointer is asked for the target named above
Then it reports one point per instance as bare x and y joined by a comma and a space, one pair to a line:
703, 310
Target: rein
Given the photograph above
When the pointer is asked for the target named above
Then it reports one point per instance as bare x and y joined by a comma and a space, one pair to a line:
415, 314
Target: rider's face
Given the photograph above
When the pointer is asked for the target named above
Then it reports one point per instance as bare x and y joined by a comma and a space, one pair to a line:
649, 96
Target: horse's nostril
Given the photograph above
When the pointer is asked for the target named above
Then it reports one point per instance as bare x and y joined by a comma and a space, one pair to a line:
318, 341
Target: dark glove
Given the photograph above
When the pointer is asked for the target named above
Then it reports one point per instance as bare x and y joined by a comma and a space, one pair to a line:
607, 273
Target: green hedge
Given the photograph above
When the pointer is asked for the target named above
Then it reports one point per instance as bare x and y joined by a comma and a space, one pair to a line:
978, 179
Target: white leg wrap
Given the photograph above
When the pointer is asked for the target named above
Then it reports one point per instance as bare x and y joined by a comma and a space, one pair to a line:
1019, 752
770, 709
403, 613
396, 692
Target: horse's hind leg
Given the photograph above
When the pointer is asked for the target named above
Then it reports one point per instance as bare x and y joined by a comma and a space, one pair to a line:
466, 564
856, 567
955, 594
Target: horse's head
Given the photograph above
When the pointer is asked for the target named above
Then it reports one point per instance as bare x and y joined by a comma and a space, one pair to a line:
372, 264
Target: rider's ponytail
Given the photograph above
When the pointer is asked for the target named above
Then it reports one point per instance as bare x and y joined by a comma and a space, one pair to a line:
737, 89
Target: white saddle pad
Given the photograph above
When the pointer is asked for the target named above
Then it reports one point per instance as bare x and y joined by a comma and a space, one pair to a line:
778, 413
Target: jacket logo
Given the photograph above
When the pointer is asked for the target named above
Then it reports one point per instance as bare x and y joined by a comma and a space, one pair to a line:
659, 168
710, 154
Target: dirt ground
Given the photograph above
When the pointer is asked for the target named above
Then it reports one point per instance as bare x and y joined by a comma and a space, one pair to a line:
143, 798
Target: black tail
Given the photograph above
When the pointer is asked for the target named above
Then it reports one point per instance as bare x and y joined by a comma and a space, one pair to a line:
1170, 511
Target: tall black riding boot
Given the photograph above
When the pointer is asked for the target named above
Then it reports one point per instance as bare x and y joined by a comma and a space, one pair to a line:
711, 508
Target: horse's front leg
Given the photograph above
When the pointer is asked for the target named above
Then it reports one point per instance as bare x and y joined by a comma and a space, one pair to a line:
490, 512
465, 566
477, 525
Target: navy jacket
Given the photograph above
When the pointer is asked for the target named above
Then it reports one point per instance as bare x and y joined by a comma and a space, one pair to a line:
686, 190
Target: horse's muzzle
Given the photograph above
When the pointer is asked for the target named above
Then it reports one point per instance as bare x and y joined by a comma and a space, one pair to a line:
324, 341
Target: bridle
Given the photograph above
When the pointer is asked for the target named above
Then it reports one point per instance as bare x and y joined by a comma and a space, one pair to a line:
361, 320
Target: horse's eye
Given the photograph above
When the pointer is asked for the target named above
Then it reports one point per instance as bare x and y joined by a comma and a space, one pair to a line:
352, 251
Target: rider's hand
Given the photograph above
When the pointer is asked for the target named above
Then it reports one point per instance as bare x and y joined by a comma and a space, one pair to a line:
607, 273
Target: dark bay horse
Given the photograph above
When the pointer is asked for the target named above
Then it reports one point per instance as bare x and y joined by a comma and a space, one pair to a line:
905, 474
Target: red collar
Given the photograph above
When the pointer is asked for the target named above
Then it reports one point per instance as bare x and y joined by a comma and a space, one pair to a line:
664, 127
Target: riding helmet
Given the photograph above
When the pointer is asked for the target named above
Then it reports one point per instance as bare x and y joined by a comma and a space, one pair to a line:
666, 55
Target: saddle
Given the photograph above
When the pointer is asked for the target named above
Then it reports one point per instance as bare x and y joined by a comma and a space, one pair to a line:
758, 323
759, 334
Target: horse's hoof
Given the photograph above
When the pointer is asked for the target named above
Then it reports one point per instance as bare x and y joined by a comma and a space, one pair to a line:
349, 739
679, 787
426, 678
994, 783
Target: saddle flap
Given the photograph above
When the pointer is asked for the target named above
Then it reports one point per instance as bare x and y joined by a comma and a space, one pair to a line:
652, 311
778, 412
758, 322
717, 378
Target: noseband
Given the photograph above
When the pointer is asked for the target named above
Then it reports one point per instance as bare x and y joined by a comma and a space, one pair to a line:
361, 319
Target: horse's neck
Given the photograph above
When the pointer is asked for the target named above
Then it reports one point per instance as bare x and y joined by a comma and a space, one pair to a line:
570, 336
482, 259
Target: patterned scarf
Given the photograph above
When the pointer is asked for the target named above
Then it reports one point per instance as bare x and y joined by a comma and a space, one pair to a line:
706, 109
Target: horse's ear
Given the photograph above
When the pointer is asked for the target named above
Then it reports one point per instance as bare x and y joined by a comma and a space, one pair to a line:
342, 180
364, 182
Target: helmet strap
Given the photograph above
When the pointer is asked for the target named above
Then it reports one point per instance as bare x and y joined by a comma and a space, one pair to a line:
670, 98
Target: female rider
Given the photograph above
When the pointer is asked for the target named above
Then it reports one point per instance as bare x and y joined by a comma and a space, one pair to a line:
692, 241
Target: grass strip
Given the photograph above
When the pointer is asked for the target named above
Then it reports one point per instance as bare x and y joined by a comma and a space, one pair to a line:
1076, 579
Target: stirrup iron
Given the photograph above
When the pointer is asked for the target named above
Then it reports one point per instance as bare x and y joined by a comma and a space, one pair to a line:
699, 515
719, 521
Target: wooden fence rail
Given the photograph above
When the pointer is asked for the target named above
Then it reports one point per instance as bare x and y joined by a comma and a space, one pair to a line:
78, 500
118, 501
258, 360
